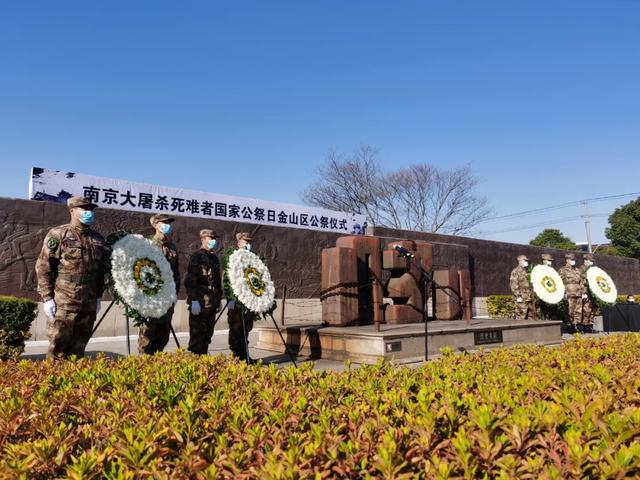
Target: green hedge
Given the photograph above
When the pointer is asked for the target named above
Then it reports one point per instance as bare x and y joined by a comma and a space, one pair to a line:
501, 306
623, 299
504, 306
16, 317
529, 412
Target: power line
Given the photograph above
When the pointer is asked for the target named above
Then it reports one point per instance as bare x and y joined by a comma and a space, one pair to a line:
587, 224
545, 223
550, 208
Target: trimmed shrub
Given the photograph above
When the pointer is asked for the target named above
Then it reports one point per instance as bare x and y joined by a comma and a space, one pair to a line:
623, 299
501, 306
504, 306
526, 412
16, 317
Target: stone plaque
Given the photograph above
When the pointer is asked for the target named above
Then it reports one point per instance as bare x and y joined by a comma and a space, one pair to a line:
486, 337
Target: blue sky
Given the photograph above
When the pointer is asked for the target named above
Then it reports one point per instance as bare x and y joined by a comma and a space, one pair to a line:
246, 98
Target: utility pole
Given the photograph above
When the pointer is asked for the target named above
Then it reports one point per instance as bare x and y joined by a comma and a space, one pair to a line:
587, 223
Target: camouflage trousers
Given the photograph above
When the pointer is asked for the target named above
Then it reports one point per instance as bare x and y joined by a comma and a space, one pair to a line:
69, 332
575, 310
239, 336
587, 312
201, 330
525, 310
550, 312
154, 334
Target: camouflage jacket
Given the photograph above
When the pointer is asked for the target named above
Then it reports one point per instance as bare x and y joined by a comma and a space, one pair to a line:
572, 278
585, 282
203, 281
519, 282
171, 254
71, 267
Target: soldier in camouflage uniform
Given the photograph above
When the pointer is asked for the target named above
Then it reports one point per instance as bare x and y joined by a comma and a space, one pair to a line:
587, 301
70, 272
154, 333
204, 288
522, 291
239, 333
547, 311
572, 278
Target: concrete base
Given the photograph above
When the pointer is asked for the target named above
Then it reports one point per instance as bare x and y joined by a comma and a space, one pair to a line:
404, 343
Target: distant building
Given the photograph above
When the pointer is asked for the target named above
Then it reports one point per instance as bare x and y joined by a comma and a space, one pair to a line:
584, 246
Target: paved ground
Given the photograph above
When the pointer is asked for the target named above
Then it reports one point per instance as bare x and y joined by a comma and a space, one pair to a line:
117, 347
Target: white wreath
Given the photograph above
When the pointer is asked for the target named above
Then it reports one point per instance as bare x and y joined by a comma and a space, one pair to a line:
601, 285
251, 281
547, 284
142, 276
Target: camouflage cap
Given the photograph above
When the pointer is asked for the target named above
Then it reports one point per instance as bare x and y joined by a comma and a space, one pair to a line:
546, 256
246, 236
161, 217
522, 257
207, 232
570, 256
80, 202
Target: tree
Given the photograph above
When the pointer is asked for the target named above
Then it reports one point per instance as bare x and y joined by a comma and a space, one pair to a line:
420, 197
553, 238
348, 184
607, 250
624, 229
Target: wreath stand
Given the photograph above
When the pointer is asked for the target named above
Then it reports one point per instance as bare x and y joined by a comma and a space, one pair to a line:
126, 323
244, 334
102, 317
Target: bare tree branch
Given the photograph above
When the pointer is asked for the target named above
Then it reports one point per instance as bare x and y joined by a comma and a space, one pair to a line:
420, 197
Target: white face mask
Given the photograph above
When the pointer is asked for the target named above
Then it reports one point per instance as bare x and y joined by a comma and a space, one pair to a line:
588, 263
524, 264
572, 263
546, 262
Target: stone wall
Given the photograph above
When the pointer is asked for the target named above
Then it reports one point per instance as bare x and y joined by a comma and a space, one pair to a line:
292, 254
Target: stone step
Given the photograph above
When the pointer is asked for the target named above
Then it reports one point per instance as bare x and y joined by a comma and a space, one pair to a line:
405, 343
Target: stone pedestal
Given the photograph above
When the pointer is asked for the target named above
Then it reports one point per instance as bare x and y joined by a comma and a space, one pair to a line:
406, 343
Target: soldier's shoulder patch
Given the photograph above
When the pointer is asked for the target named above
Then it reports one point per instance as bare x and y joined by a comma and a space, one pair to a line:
52, 243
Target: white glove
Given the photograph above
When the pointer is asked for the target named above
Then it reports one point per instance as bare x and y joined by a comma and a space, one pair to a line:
519, 299
50, 308
231, 304
584, 295
195, 307
98, 304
